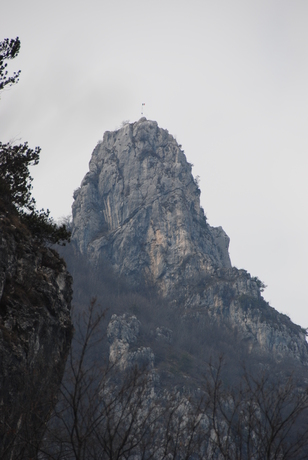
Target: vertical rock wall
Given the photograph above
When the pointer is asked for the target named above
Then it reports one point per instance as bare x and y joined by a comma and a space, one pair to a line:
139, 207
35, 335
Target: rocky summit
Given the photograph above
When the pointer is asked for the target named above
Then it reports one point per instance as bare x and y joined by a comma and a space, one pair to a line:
138, 209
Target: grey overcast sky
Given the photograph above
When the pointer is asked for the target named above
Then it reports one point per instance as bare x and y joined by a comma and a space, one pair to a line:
228, 78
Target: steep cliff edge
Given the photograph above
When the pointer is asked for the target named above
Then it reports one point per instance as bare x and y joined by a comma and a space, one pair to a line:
138, 207
35, 334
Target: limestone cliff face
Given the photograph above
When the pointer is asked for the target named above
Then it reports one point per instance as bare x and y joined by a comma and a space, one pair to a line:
139, 208
35, 335
122, 332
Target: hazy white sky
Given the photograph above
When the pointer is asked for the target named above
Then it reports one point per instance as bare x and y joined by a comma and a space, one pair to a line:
228, 78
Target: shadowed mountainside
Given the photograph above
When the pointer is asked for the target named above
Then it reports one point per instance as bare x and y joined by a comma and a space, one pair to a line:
35, 334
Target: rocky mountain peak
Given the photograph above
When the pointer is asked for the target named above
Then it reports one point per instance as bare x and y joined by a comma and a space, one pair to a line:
139, 207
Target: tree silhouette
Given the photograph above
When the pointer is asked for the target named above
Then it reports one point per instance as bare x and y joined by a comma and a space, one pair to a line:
9, 49
15, 178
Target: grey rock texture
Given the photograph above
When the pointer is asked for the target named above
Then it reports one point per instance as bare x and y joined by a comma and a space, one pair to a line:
138, 207
35, 335
233, 296
163, 334
122, 332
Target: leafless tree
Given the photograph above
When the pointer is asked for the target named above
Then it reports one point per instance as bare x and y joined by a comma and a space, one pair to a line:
105, 413
101, 413
262, 418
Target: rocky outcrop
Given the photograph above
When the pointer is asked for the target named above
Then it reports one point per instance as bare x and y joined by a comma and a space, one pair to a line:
35, 335
234, 296
138, 207
122, 332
